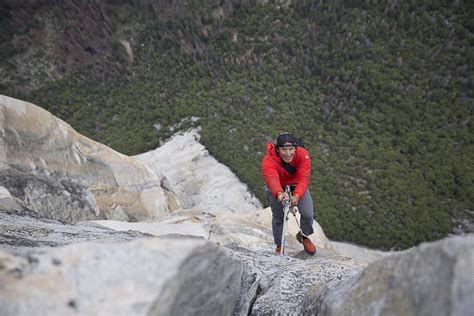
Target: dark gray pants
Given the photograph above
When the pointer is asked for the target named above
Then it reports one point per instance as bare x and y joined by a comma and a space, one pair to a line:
305, 207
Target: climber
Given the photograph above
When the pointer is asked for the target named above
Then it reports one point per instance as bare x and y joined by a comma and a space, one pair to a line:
288, 163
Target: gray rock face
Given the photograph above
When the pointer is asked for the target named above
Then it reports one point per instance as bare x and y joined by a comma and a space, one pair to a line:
432, 279
303, 284
260, 283
144, 277
59, 173
278, 285
197, 179
207, 283
23, 230
48, 267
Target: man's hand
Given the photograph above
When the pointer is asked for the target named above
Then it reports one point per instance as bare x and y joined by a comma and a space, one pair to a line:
294, 200
281, 196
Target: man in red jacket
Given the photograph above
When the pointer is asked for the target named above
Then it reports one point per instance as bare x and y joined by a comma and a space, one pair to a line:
287, 163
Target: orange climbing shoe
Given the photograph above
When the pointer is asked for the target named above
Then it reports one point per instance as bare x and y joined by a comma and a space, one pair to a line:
309, 247
278, 250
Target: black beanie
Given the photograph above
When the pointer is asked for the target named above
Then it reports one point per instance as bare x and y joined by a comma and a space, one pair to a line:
286, 138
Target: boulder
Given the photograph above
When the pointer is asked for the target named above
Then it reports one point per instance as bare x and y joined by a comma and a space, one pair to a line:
149, 276
434, 278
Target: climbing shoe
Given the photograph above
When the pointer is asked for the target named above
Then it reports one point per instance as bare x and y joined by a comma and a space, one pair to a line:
309, 247
278, 250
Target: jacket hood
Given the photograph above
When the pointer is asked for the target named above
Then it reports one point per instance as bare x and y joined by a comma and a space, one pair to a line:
271, 149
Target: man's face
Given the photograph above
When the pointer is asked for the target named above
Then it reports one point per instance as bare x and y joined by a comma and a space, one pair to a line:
287, 153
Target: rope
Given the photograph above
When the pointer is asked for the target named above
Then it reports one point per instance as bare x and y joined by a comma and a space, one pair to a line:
293, 211
286, 210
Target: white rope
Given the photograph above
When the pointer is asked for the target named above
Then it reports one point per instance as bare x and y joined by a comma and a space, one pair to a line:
286, 210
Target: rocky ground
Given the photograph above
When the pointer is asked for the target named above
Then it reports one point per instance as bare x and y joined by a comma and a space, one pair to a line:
54, 266
266, 283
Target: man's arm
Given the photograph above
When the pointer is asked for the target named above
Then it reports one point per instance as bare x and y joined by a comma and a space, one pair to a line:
271, 177
303, 173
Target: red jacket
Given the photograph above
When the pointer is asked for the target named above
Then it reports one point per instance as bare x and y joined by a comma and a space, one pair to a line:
276, 176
